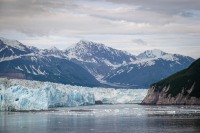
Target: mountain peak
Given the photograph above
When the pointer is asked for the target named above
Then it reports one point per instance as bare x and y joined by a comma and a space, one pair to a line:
83, 41
157, 52
154, 53
13, 43
87, 43
100, 58
53, 49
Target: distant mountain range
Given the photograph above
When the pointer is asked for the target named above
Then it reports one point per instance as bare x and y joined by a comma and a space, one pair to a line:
150, 66
23, 62
88, 64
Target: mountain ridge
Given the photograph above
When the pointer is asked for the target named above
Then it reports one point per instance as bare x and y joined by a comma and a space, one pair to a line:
95, 56
43, 65
103, 62
143, 72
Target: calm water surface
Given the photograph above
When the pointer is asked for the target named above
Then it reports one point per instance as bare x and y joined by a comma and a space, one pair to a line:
128, 118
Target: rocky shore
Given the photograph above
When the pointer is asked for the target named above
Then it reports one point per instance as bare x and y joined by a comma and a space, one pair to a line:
163, 98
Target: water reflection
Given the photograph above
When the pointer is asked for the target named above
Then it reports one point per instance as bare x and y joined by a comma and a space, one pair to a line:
87, 122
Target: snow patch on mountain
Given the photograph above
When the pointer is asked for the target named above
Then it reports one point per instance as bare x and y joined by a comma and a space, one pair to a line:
19, 68
9, 58
144, 62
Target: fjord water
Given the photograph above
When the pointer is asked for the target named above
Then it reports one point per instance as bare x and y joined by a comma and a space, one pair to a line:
121, 118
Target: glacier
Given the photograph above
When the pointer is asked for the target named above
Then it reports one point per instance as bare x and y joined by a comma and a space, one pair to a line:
16, 94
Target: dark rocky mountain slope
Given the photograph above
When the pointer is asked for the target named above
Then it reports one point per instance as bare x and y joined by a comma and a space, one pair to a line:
180, 88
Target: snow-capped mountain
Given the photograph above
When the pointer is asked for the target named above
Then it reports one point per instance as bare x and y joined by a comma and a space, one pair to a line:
118, 68
155, 53
97, 58
20, 61
150, 67
12, 48
53, 51
86, 62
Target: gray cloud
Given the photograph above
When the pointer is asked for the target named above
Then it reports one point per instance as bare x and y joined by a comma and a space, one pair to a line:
80, 17
32, 7
162, 6
139, 42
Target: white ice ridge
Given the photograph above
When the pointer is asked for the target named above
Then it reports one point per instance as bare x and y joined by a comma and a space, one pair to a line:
34, 95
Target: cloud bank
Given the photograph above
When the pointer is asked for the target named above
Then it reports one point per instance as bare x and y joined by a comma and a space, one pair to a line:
121, 24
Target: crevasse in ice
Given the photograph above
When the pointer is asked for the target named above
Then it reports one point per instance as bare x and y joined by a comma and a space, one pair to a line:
34, 95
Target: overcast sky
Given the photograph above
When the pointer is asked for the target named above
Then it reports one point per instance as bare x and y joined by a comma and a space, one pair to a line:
133, 25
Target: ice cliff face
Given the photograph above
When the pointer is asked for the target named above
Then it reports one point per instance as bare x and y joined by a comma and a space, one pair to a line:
35, 95
19, 95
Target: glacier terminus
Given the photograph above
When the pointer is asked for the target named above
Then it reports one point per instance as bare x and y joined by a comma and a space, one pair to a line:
17, 95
